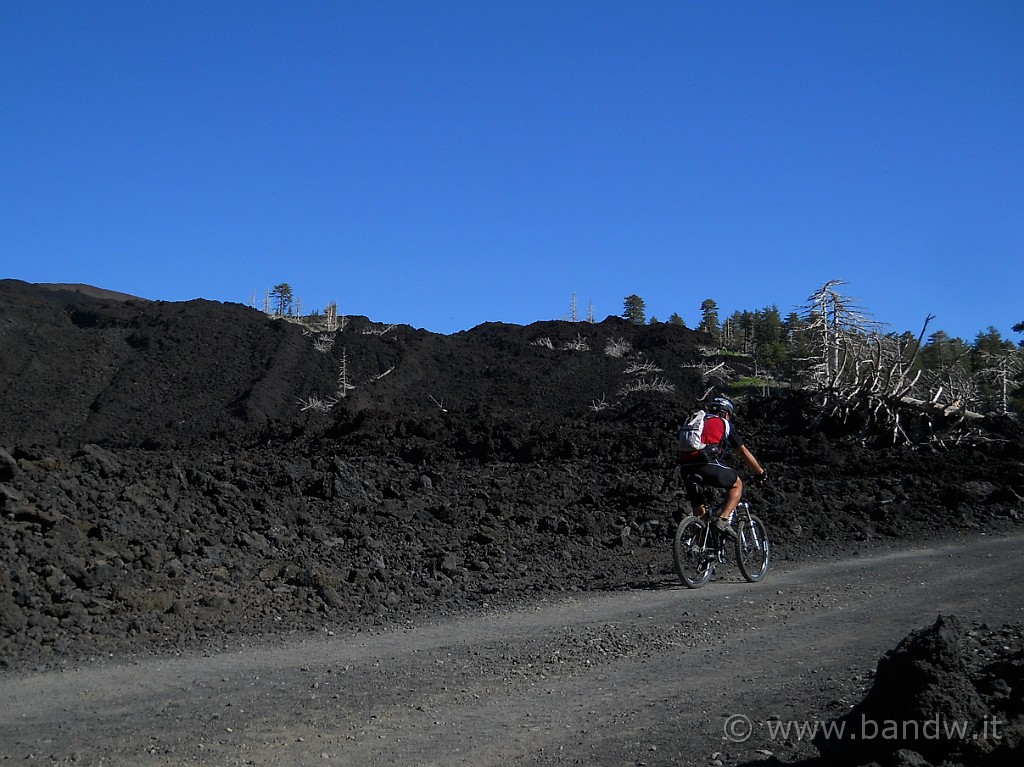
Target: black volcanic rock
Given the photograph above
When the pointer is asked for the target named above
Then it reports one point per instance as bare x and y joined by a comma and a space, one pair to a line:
947, 694
164, 481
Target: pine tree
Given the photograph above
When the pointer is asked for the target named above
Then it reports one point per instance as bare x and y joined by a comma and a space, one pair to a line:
991, 342
769, 335
634, 309
282, 298
709, 318
941, 352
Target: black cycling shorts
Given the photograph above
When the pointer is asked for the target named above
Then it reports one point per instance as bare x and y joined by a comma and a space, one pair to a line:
714, 474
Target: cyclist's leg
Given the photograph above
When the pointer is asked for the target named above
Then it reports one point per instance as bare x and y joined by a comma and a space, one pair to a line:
726, 478
732, 498
693, 493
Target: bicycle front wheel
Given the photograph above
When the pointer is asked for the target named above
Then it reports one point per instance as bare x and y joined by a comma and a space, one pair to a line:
691, 553
753, 550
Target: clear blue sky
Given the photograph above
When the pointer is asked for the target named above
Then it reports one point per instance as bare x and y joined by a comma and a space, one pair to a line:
444, 164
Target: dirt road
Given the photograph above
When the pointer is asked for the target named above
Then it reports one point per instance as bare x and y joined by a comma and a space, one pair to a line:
645, 677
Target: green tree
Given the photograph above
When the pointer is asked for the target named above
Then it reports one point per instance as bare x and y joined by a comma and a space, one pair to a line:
941, 353
792, 324
676, 319
634, 309
709, 318
798, 341
734, 332
991, 342
769, 335
908, 343
283, 299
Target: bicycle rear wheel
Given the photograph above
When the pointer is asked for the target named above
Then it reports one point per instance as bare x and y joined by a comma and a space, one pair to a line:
753, 550
691, 553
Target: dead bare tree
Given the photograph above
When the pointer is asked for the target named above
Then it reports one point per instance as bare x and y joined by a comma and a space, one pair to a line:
379, 331
765, 377
617, 347
344, 384
642, 368
1000, 371
318, 403
878, 383
709, 371
952, 391
331, 317
578, 345
873, 378
323, 343
707, 351
836, 322
656, 385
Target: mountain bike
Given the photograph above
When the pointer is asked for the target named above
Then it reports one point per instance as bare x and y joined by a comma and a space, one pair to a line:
699, 548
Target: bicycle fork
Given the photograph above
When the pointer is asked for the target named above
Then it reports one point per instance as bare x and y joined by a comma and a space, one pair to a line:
750, 535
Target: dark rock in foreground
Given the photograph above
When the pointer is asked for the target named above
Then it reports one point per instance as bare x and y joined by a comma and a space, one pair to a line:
946, 695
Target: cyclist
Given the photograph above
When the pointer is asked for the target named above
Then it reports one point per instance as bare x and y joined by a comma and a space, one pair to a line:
720, 434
